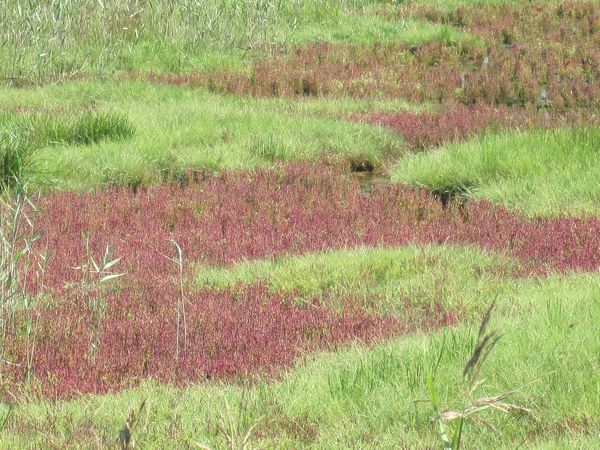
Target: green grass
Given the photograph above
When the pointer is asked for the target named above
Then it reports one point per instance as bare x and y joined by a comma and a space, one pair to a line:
362, 397
332, 107
23, 135
542, 173
58, 38
83, 129
379, 279
177, 129
453, 4
16, 150
56, 128
369, 29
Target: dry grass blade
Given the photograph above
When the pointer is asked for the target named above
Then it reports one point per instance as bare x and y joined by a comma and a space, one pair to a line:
234, 429
126, 440
486, 341
490, 402
452, 436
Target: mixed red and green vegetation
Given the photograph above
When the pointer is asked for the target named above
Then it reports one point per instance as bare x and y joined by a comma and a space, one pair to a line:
299, 224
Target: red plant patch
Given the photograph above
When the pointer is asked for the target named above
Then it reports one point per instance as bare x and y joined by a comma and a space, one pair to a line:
239, 332
131, 332
423, 130
458, 122
534, 55
565, 23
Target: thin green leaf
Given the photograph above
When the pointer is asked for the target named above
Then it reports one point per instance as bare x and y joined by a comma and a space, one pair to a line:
110, 264
96, 268
432, 392
112, 276
457, 434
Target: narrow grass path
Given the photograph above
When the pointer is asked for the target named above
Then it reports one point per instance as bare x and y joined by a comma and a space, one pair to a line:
392, 281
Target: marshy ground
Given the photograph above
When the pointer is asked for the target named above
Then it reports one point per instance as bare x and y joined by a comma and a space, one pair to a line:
261, 224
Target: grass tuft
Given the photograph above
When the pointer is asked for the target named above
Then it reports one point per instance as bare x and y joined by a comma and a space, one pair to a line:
22, 136
386, 280
16, 150
85, 129
540, 172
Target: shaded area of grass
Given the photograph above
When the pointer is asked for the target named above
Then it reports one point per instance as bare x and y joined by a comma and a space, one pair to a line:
372, 397
16, 150
80, 129
178, 131
386, 280
23, 135
544, 172
41, 129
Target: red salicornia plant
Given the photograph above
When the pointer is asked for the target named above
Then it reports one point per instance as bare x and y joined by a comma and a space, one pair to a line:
243, 329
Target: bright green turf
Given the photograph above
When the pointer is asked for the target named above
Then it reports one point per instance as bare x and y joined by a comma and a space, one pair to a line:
332, 107
367, 29
547, 173
179, 128
381, 279
452, 4
58, 38
375, 398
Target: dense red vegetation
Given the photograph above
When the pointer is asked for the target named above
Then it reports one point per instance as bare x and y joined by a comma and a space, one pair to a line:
537, 54
430, 129
244, 330
533, 55
292, 209
565, 23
